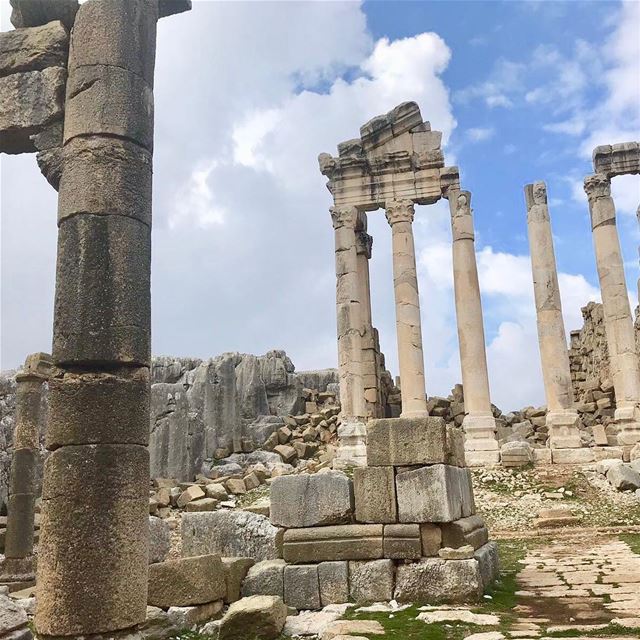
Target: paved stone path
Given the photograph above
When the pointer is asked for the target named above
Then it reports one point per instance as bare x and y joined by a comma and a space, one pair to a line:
578, 582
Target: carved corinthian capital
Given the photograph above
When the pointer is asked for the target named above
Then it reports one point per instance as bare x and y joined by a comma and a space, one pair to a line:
344, 217
596, 186
364, 243
399, 211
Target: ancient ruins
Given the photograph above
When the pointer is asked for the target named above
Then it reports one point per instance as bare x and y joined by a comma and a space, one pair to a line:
149, 496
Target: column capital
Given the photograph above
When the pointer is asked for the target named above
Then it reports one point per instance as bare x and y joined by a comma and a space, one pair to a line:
364, 243
344, 217
461, 215
399, 211
596, 186
535, 195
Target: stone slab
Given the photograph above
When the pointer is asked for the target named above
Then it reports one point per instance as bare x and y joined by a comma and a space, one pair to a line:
345, 542
572, 456
32, 13
371, 581
402, 541
431, 537
488, 563
375, 495
334, 582
265, 578
407, 441
466, 531
236, 570
302, 586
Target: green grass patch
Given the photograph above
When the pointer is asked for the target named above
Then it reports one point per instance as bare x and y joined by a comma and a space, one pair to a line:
606, 632
633, 540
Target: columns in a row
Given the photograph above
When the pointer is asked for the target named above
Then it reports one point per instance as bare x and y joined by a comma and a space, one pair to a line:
617, 310
93, 552
562, 417
18, 564
479, 425
408, 325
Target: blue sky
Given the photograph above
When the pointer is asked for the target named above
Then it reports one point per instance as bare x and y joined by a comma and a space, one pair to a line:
248, 94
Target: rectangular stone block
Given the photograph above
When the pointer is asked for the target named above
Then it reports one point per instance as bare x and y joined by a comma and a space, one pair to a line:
456, 447
186, 581
334, 582
346, 542
109, 101
29, 102
371, 581
402, 541
102, 551
19, 534
311, 500
431, 537
105, 176
118, 33
488, 562
100, 473
33, 49
236, 570
301, 586
375, 494
99, 408
466, 491
406, 441
572, 456
265, 578
24, 468
32, 13
429, 494
470, 530
102, 307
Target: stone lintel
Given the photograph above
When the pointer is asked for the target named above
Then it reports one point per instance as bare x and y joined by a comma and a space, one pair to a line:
617, 159
172, 7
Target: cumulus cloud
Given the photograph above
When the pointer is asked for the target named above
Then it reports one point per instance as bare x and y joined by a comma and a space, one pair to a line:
480, 134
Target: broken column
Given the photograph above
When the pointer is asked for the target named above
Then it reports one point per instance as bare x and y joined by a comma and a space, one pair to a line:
481, 445
92, 568
617, 310
562, 417
408, 326
19, 566
352, 432
370, 376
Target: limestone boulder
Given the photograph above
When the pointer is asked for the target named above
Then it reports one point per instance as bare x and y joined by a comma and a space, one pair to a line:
320, 499
255, 617
231, 534
235, 572
265, 578
623, 477
12, 615
159, 539
31, 13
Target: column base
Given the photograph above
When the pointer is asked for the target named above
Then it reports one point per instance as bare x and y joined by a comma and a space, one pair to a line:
18, 573
480, 438
420, 413
352, 448
484, 458
627, 419
563, 430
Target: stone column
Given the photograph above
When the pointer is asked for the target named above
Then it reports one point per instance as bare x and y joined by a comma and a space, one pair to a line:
562, 417
370, 379
481, 445
93, 552
352, 431
617, 310
19, 563
405, 283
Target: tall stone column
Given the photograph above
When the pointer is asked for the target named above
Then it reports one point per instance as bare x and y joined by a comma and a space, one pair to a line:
481, 445
93, 552
370, 378
562, 417
352, 431
19, 566
408, 326
617, 310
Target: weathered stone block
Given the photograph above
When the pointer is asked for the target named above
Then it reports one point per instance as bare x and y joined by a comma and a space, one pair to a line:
431, 536
99, 408
201, 504
230, 534
257, 617
375, 494
488, 563
102, 307
265, 578
29, 102
105, 552
406, 441
470, 530
311, 500
466, 491
32, 13
334, 582
187, 581
33, 49
623, 477
371, 581
235, 572
109, 101
435, 580
116, 471
402, 541
106, 176
346, 542
301, 586
159, 540
429, 494
118, 33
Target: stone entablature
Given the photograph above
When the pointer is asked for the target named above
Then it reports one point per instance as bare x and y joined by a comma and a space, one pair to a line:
617, 159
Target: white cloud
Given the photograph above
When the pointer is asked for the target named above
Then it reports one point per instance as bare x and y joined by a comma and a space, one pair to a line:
480, 134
